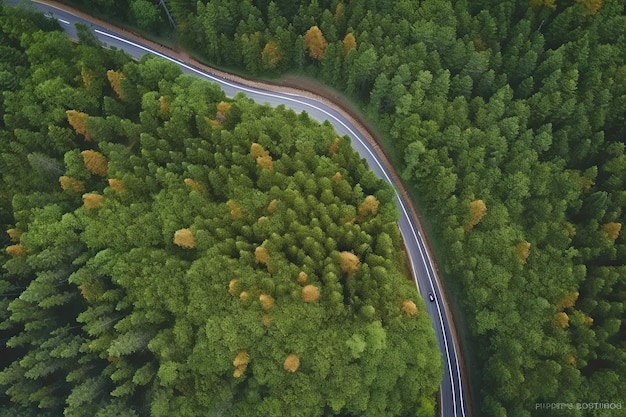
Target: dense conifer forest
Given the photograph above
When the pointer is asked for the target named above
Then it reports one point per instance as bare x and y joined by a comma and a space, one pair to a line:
508, 120
172, 252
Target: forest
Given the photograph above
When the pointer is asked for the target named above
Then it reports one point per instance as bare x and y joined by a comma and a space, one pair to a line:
172, 252
507, 120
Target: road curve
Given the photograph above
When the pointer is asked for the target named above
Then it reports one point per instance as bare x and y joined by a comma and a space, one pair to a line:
453, 398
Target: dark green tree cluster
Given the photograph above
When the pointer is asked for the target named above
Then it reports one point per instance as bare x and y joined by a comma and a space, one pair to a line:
508, 118
147, 15
173, 252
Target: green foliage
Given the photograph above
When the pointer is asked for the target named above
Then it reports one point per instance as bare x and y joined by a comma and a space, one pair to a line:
516, 104
146, 14
111, 310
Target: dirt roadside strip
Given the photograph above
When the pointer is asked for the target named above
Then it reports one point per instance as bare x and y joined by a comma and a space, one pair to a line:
302, 87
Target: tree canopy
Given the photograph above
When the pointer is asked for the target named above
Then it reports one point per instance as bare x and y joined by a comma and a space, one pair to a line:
506, 118
171, 251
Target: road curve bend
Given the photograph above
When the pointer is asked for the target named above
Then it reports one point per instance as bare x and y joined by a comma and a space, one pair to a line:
453, 394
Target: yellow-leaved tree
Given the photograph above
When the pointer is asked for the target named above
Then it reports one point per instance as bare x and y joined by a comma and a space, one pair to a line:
222, 109
87, 75
271, 55
561, 319
292, 363
164, 107
368, 207
14, 234
184, 239
271, 207
536, 4
115, 78
315, 43
568, 300
348, 262
409, 308
241, 363
302, 278
15, 250
71, 184
195, 186
478, 209
591, 6
116, 185
612, 230
267, 301
310, 294
523, 250
339, 12
95, 162
349, 42
92, 200
262, 256
265, 162
263, 158
334, 146
78, 121
232, 286
235, 211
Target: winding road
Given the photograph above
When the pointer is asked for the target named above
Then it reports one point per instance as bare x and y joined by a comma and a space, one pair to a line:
453, 395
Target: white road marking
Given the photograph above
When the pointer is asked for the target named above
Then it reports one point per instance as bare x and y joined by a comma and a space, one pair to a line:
63, 21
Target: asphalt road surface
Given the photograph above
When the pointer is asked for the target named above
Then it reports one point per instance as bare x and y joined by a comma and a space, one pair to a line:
452, 393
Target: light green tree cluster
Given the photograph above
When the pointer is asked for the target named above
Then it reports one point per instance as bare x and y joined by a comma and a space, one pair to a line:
174, 252
507, 119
